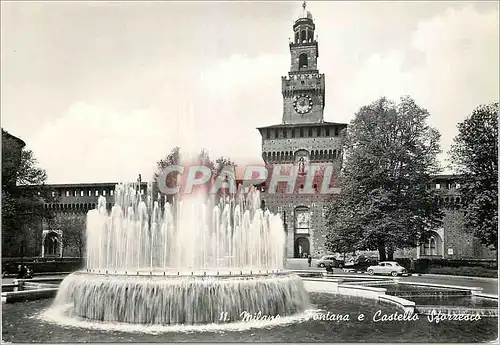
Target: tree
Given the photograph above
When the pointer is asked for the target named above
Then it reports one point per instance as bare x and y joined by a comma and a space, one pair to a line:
73, 231
23, 193
346, 237
474, 155
174, 157
390, 157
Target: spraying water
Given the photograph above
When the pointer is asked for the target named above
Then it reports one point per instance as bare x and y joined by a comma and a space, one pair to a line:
142, 234
199, 260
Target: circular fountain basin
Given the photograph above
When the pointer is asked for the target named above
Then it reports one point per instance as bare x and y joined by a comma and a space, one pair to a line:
168, 298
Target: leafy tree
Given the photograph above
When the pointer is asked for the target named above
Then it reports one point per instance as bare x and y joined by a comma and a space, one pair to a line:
474, 155
390, 157
73, 227
23, 193
174, 157
346, 238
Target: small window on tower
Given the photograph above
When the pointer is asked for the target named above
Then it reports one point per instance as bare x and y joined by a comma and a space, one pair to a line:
276, 134
268, 134
302, 132
303, 60
285, 134
327, 131
303, 36
310, 132
293, 132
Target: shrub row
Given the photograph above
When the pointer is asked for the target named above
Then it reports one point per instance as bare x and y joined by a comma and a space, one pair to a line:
44, 267
454, 267
473, 271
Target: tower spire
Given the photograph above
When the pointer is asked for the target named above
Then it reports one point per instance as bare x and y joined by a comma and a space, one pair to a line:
304, 13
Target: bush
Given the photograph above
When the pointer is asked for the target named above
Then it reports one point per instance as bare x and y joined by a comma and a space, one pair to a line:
471, 271
461, 263
46, 266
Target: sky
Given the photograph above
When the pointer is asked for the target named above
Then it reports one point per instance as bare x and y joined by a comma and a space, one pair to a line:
100, 91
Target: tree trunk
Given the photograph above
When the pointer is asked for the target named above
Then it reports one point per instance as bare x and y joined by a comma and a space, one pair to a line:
390, 254
381, 251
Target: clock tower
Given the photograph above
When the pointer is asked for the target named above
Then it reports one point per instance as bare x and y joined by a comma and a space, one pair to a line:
303, 139
304, 88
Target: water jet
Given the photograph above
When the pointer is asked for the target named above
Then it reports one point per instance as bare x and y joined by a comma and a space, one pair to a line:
189, 248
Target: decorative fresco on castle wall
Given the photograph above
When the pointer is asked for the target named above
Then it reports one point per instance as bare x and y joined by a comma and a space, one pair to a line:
302, 221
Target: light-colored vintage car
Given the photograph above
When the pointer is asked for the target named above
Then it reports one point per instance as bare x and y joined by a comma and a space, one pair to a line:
387, 267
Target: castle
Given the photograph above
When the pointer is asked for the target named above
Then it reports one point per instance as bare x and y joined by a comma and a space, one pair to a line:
303, 139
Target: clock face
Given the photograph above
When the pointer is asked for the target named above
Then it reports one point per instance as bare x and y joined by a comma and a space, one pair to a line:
302, 104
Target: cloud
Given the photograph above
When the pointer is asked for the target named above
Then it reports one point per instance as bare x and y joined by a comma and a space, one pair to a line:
92, 143
220, 108
459, 70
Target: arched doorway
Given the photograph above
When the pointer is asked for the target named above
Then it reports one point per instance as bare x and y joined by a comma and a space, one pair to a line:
432, 245
302, 247
51, 244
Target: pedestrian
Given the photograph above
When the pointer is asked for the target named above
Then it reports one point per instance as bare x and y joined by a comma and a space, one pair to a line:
20, 272
309, 259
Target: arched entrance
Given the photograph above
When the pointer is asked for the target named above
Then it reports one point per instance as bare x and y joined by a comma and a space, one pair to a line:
432, 245
302, 247
51, 244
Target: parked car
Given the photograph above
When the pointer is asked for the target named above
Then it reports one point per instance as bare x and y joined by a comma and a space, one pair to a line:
360, 263
387, 267
330, 260
9, 269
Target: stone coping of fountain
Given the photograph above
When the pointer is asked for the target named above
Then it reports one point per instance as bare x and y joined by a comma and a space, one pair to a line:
472, 289
25, 295
379, 294
451, 310
487, 295
173, 274
405, 304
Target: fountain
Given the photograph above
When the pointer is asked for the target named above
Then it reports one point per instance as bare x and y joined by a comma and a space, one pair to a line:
199, 260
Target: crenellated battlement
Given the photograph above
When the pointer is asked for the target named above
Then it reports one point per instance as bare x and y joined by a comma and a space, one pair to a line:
301, 82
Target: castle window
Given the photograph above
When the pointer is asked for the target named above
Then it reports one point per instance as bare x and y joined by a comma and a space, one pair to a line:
96, 192
67, 193
81, 193
293, 132
457, 185
268, 134
297, 37
285, 135
89, 193
74, 193
438, 186
104, 192
303, 60
310, 132
302, 132
336, 131
327, 131
53, 194
318, 131
276, 134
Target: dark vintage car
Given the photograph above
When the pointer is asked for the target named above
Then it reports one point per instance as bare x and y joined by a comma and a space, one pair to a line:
12, 269
330, 260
